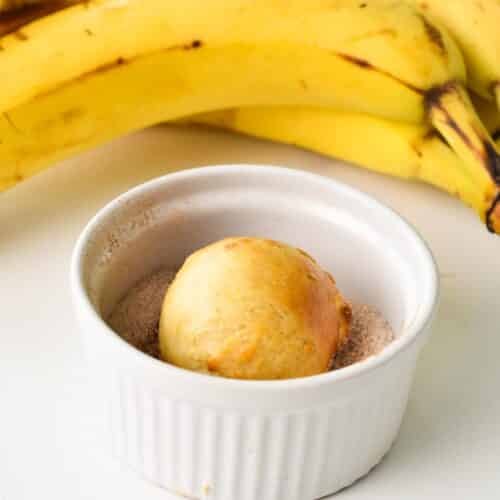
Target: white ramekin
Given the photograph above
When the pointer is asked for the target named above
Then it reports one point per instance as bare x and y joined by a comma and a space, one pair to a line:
223, 439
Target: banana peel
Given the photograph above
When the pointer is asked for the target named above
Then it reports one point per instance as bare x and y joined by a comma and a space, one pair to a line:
378, 58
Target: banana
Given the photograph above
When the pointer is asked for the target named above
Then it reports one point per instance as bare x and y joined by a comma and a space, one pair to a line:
387, 56
159, 87
403, 150
475, 25
96, 70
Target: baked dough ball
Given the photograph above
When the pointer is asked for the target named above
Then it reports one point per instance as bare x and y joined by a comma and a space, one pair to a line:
252, 309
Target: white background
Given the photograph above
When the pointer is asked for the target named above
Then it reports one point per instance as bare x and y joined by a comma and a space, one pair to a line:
449, 446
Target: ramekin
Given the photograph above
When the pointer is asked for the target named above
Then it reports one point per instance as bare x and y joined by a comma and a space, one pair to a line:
223, 439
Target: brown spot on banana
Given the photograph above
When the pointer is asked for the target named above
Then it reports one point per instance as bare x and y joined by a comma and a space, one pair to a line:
120, 61
465, 138
434, 35
364, 64
428, 136
387, 32
11, 179
101, 69
8, 119
355, 60
437, 134
416, 148
432, 134
71, 115
496, 135
434, 95
20, 35
493, 215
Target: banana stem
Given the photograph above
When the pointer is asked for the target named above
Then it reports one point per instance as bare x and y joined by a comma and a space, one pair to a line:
452, 114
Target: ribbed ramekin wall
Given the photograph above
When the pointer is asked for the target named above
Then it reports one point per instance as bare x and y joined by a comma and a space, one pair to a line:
210, 453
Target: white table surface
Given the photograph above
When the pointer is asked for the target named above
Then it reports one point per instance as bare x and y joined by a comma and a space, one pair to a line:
449, 446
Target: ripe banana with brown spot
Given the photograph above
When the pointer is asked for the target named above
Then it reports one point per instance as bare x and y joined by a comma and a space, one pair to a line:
412, 152
475, 25
95, 70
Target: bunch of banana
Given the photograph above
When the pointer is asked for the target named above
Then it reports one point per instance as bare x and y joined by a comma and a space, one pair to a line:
86, 73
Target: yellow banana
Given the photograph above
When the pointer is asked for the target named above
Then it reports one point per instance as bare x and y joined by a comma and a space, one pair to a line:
403, 150
156, 88
96, 70
473, 24
387, 56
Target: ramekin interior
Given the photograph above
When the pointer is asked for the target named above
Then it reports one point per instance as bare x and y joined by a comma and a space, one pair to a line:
374, 255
